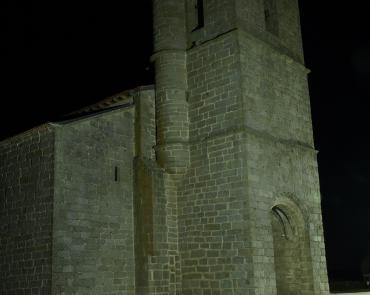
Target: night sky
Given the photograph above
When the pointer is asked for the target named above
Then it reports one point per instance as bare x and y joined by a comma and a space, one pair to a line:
57, 56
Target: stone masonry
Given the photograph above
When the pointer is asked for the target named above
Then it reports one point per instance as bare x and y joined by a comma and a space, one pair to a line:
204, 184
26, 210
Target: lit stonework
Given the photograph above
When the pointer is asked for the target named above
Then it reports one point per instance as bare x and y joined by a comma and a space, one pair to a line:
205, 183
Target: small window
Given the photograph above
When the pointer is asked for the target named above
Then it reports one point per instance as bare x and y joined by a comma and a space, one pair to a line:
271, 19
116, 174
196, 17
200, 13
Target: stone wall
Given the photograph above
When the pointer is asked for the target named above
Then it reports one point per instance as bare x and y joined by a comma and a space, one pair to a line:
231, 129
213, 222
284, 34
281, 159
251, 148
26, 210
93, 250
214, 87
219, 17
279, 173
275, 91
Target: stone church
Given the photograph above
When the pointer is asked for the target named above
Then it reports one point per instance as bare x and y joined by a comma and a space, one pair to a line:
205, 183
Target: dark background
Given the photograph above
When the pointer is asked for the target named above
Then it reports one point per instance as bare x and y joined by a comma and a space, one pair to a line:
57, 56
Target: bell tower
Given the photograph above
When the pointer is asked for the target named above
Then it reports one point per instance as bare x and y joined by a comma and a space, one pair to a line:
235, 142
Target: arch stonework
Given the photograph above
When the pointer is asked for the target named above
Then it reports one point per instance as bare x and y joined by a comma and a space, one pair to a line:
292, 256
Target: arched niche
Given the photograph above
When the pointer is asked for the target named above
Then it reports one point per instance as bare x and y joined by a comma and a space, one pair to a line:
293, 267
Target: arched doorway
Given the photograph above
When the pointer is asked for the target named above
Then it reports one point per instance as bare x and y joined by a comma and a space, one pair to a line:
293, 265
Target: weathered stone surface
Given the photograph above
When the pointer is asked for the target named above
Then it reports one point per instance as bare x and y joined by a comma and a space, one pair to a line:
207, 185
93, 238
26, 210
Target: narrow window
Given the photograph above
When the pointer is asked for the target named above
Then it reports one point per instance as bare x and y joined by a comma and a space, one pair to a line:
196, 14
271, 19
200, 13
116, 173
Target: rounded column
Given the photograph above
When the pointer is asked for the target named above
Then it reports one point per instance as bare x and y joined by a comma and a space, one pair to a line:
170, 80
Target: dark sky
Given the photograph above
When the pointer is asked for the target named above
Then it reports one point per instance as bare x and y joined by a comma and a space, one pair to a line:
56, 56
337, 50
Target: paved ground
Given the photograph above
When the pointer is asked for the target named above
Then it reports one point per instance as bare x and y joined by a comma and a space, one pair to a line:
357, 293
